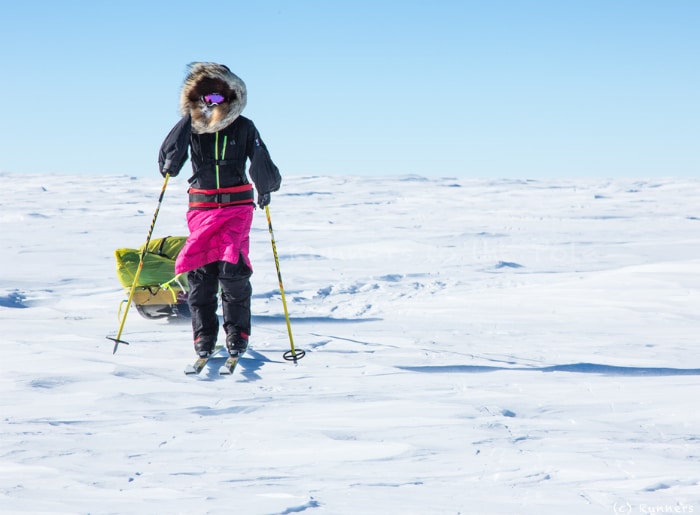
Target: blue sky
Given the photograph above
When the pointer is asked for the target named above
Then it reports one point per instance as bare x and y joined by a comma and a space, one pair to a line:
498, 88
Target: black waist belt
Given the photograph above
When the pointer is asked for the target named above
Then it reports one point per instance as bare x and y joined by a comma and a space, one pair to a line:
222, 197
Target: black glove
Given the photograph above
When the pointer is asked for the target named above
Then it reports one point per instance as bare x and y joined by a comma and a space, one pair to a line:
263, 199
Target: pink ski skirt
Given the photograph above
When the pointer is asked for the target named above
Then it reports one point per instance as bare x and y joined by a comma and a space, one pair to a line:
216, 235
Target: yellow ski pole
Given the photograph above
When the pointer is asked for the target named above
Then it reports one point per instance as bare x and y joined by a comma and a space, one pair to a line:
117, 339
293, 354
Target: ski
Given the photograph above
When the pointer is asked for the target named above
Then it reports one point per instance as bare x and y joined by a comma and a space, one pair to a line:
230, 365
200, 363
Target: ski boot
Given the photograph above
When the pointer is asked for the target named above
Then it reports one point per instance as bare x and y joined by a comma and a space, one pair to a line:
204, 345
236, 342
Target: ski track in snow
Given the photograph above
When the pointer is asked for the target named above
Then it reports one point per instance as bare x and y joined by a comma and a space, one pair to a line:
473, 346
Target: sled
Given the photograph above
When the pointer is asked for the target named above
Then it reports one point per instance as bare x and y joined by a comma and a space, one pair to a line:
160, 292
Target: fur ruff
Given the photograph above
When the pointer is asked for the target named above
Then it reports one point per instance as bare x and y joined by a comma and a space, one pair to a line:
206, 78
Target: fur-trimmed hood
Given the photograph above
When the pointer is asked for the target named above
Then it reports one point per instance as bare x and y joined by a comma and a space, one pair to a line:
203, 79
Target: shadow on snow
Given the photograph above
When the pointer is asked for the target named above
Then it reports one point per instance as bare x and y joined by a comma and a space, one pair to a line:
577, 368
261, 319
248, 366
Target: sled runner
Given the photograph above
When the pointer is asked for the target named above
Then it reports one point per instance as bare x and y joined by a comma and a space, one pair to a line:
159, 293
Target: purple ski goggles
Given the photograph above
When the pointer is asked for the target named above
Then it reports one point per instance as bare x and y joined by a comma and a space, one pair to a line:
213, 99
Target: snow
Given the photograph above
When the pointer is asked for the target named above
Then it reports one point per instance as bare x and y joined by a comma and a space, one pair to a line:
473, 346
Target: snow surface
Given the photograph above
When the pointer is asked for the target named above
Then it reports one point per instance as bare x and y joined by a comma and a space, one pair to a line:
473, 346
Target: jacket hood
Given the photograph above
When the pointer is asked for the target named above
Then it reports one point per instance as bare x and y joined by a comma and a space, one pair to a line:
203, 79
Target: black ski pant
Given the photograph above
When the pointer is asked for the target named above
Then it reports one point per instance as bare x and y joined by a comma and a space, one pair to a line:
235, 298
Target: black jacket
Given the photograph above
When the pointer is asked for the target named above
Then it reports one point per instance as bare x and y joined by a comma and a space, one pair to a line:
229, 148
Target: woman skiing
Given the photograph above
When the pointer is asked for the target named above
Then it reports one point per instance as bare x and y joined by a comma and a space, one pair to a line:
221, 200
